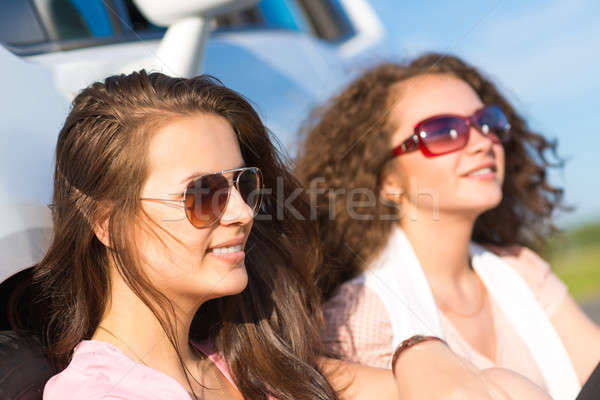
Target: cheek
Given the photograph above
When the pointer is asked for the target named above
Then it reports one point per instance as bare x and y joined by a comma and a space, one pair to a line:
501, 162
422, 176
173, 250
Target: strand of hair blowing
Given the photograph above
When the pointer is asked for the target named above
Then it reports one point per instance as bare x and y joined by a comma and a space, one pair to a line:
268, 333
347, 141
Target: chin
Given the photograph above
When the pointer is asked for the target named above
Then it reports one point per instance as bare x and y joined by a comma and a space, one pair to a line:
487, 205
473, 206
495, 200
484, 199
234, 282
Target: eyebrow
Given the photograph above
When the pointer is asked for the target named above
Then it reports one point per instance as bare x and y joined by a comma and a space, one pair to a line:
199, 174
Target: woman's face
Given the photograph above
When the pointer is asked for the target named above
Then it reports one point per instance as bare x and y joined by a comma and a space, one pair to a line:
178, 257
442, 185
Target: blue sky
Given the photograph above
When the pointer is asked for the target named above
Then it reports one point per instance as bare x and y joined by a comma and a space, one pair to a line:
545, 57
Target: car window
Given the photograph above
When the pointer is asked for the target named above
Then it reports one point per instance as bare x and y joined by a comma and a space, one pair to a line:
19, 24
324, 19
327, 19
39, 26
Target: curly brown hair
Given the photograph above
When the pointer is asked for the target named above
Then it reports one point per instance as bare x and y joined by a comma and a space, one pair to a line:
337, 157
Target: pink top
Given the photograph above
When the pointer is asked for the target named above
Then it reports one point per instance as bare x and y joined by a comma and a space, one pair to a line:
99, 370
358, 326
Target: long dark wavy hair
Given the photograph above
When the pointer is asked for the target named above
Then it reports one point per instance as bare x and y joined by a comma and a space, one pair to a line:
269, 333
348, 139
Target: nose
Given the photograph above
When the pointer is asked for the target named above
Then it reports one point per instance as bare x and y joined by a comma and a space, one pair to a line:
237, 210
478, 141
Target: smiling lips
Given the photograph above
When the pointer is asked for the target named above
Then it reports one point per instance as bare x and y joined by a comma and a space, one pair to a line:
483, 172
231, 251
226, 250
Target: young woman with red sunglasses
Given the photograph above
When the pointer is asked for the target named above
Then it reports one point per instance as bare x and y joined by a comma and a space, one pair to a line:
422, 164
160, 283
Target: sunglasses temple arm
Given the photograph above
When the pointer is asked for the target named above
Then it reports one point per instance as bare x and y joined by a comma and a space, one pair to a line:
180, 205
407, 146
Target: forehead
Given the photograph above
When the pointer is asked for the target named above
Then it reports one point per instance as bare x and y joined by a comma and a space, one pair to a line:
202, 143
423, 96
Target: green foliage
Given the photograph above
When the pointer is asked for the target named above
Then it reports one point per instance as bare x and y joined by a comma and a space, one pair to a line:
575, 258
587, 235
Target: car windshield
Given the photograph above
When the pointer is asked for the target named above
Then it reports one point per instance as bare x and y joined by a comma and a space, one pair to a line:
43, 26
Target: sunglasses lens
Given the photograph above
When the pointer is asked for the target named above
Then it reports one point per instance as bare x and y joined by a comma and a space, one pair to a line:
493, 122
205, 199
249, 184
444, 134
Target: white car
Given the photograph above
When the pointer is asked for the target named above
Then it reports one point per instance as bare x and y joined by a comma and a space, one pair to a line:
284, 55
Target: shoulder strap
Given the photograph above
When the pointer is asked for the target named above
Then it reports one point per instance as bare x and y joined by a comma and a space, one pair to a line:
397, 278
527, 317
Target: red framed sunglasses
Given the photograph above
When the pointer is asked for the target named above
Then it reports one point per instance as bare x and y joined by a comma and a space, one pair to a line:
443, 134
206, 197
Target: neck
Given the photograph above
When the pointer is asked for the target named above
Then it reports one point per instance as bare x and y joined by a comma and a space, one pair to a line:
441, 244
138, 332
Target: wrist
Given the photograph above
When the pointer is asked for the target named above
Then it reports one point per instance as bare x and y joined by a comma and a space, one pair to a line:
413, 342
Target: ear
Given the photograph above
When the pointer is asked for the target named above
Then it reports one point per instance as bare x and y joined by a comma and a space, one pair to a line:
392, 189
101, 230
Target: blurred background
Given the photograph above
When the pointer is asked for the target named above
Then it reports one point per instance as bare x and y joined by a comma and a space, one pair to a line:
288, 56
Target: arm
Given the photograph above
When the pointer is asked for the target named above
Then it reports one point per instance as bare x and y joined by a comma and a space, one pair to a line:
515, 385
359, 329
578, 333
580, 336
428, 370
